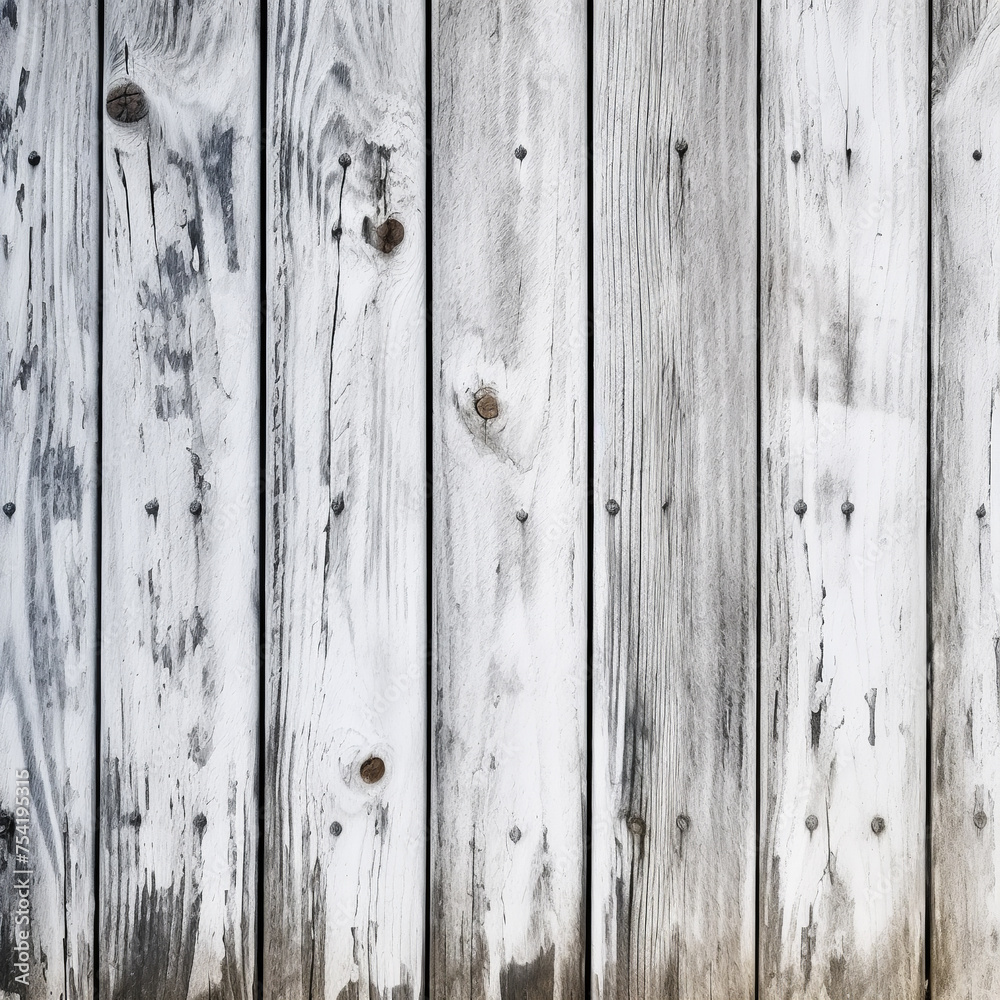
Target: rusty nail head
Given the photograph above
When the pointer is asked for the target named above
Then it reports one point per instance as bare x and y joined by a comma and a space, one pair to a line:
977, 154
796, 156
336, 829
683, 822
487, 406
811, 822
979, 819
9, 508
981, 512
612, 507
33, 158
847, 508
681, 146
344, 160
522, 516
372, 770
515, 834
878, 825
153, 507
520, 152
127, 103
800, 507
195, 507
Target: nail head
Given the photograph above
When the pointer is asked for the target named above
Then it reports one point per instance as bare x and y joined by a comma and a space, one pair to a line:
800, 507
337, 505
127, 103
153, 507
33, 158
515, 834
522, 516
979, 819
981, 512
372, 770
977, 154
847, 508
520, 152
811, 822
336, 829
195, 508
344, 160
878, 825
9, 508
612, 507
681, 146
796, 156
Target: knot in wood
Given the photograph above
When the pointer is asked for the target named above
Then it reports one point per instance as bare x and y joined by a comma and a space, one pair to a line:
979, 819
796, 156
127, 103
134, 819
384, 238
33, 158
636, 826
847, 508
981, 512
520, 152
612, 507
337, 504
522, 515
878, 825
336, 829
800, 507
811, 823
199, 823
977, 154
195, 508
9, 508
487, 406
515, 834
681, 146
683, 822
372, 770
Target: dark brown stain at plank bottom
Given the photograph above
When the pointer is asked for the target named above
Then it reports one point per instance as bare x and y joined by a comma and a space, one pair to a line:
352, 991
534, 980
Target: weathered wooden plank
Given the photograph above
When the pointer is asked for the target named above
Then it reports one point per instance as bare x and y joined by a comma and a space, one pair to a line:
675, 216
510, 468
345, 785
965, 596
843, 515
180, 500
49, 211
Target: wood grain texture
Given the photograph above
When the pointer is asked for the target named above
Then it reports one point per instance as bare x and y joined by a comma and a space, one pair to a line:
180, 504
510, 468
49, 211
965, 571
843, 515
675, 215
347, 501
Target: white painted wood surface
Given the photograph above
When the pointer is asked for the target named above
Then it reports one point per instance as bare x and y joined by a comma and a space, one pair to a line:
674, 615
49, 211
965, 758
345, 844
181, 383
510, 471
843, 515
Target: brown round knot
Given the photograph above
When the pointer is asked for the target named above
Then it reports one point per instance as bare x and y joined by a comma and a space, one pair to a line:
337, 504
800, 507
336, 829
636, 826
681, 146
796, 156
195, 508
612, 507
847, 508
515, 834
683, 822
200, 822
878, 825
487, 406
979, 819
372, 770
152, 507
811, 823
127, 103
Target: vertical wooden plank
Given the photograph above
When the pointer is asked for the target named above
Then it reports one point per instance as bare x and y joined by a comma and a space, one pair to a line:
675, 210
843, 515
346, 750
49, 205
180, 500
965, 571
510, 470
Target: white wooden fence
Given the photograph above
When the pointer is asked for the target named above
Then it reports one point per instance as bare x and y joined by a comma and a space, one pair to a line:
497, 499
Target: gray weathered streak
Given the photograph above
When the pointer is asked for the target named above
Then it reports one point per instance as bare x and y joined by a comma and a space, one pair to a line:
675, 460
510, 437
347, 501
843, 430
48, 460
180, 636
965, 571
